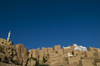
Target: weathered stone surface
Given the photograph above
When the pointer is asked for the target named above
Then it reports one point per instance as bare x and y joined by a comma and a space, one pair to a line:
35, 53
5, 42
25, 61
50, 50
33, 63
98, 63
2, 57
54, 58
40, 61
76, 59
86, 63
18, 54
44, 49
92, 49
15, 58
90, 53
30, 53
60, 52
40, 56
5, 64
22, 53
57, 47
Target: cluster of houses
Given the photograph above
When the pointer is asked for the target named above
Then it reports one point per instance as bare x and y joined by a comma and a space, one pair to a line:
72, 55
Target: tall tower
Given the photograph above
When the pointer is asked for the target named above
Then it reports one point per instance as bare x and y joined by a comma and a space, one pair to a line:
8, 38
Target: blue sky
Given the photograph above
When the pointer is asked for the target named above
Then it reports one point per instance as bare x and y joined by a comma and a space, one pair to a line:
45, 23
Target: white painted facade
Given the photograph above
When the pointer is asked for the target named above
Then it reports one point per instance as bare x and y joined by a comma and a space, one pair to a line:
81, 48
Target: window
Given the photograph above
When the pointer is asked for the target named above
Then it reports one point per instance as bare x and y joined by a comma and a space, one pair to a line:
2, 42
0, 59
76, 54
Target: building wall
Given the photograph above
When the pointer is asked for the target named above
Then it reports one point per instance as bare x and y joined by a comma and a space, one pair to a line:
67, 50
44, 49
63, 58
18, 48
57, 47
40, 56
60, 51
81, 48
40, 53
76, 52
5, 42
30, 53
86, 63
97, 54
89, 54
71, 60
50, 50
35, 54
54, 58
92, 49
25, 52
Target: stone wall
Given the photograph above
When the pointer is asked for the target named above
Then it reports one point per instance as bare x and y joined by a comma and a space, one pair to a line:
5, 42
86, 63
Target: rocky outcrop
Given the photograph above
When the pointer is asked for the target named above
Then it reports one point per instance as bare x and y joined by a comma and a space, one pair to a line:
17, 54
22, 54
2, 57
5, 64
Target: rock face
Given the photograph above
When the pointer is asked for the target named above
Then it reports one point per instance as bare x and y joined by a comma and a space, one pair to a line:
22, 54
2, 57
18, 55
4, 64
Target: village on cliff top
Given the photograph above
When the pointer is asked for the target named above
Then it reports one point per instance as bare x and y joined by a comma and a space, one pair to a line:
18, 55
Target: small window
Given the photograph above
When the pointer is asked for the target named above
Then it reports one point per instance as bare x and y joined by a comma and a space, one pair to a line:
0, 59
76, 54
2, 42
